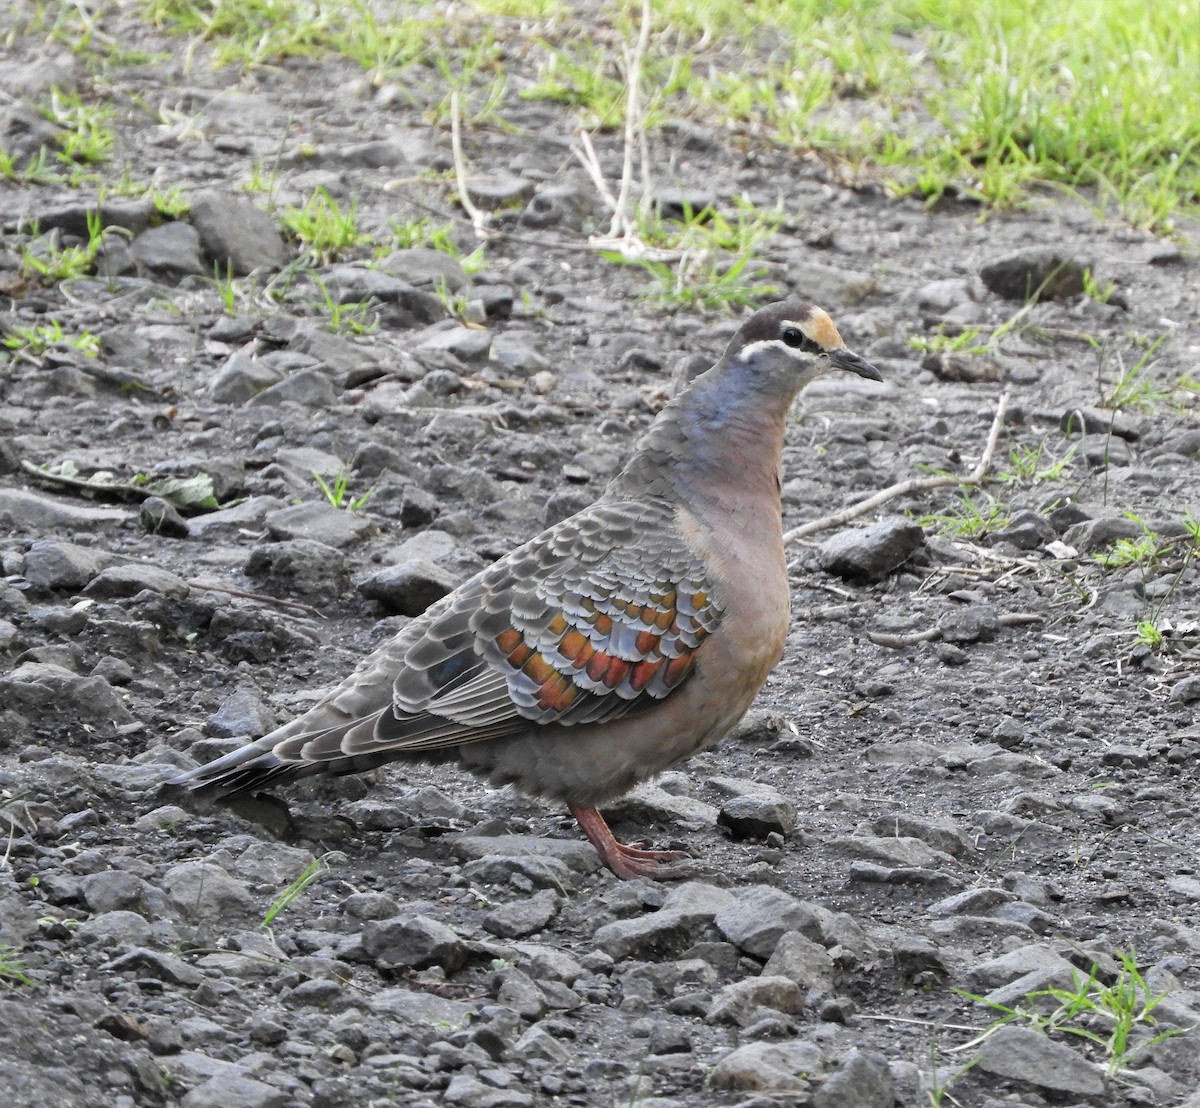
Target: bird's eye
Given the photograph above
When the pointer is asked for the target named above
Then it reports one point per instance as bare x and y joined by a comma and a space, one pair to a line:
794, 337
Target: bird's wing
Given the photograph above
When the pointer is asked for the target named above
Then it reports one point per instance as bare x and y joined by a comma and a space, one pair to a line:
601, 615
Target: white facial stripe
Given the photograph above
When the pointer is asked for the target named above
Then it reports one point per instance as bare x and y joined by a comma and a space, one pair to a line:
752, 348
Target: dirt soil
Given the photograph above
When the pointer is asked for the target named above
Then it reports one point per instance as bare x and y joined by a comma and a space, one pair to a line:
968, 772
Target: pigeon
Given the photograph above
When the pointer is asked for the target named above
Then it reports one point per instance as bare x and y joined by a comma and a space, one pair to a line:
616, 643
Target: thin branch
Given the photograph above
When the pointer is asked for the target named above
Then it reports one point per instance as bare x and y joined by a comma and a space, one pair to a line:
622, 226
478, 219
976, 477
261, 598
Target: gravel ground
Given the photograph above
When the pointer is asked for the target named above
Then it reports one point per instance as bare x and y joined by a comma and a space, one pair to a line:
967, 775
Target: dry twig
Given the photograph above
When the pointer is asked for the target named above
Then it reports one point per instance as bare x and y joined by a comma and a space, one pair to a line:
976, 477
479, 219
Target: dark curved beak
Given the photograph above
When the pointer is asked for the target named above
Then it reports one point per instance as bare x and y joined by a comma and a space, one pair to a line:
847, 359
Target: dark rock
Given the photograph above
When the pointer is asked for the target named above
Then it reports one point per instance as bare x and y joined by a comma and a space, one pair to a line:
234, 233
63, 566
870, 552
410, 587
414, 942
161, 517
169, 252
1042, 274
862, 1080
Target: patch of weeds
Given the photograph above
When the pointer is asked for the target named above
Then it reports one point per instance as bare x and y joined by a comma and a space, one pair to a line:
410, 233
85, 135
940, 342
1143, 552
1134, 388
1148, 635
337, 493
324, 228
582, 77
37, 340
36, 171
939, 1087
13, 967
311, 872
968, 519
48, 261
1117, 1010
1032, 465
701, 281
354, 318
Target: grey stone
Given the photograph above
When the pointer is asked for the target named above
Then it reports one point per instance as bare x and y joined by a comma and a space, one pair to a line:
892, 851
233, 232
500, 190
799, 959
739, 1002
241, 713
410, 587
402, 306
135, 577
231, 1090
1023, 1054
537, 1044
1032, 958
769, 1067
203, 891
162, 966
318, 521
35, 512
1095, 534
969, 623
943, 835
756, 817
522, 917
50, 564
529, 850
272, 865
470, 1092
310, 388
519, 352
44, 687
468, 343
862, 1080
415, 942
760, 915
669, 931
161, 517
241, 377
422, 268
1103, 421
169, 252
305, 566
115, 929
1025, 530
1042, 274
870, 552
649, 803
116, 890
560, 206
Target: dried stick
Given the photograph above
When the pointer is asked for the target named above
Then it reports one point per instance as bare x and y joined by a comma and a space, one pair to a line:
622, 226
976, 477
478, 219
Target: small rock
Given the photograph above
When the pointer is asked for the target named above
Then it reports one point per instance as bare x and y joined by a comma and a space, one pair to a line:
169, 252
769, 1067
761, 915
415, 942
50, 564
1042, 274
522, 917
870, 552
1023, 1054
237, 234
756, 817
409, 587
739, 1002
861, 1080
799, 959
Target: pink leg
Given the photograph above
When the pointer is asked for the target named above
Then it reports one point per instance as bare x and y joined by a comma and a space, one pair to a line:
628, 861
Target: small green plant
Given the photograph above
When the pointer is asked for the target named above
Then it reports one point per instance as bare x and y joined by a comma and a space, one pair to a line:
703, 281
13, 967
1144, 552
86, 136
1134, 388
968, 519
50, 262
1118, 1010
311, 872
1101, 293
1031, 465
354, 318
1148, 635
323, 227
942, 343
37, 340
336, 493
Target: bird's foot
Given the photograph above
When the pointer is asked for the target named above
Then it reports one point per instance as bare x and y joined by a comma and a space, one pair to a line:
629, 861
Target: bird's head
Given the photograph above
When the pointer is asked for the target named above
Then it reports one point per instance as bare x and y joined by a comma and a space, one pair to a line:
790, 343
